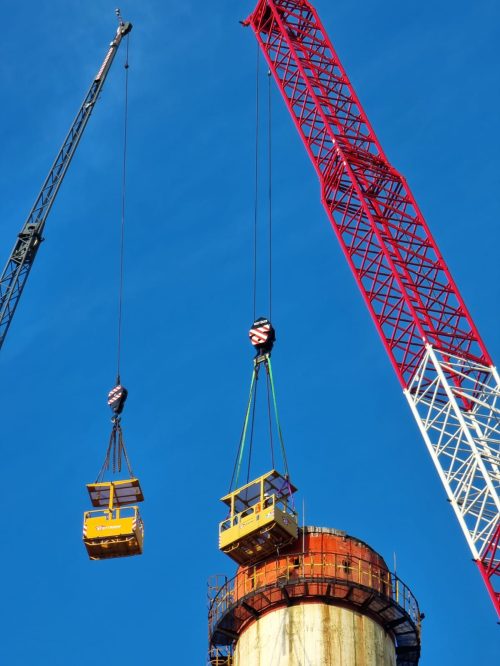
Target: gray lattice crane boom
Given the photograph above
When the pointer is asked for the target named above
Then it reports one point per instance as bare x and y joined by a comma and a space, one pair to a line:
22, 257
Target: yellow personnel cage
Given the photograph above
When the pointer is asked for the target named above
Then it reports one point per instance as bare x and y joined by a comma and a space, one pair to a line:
261, 519
116, 530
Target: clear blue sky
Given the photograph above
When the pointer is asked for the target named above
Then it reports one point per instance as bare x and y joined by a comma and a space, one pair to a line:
427, 75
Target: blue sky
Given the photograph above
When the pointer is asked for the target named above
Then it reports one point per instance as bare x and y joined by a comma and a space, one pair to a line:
427, 77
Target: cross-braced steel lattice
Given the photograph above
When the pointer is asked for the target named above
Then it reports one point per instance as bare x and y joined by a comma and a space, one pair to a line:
433, 344
15, 274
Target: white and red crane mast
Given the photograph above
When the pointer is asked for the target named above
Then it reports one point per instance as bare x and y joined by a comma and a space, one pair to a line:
447, 375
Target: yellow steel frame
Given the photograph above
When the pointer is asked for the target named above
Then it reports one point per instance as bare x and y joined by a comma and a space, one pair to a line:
221, 661
117, 530
260, 518
115, 493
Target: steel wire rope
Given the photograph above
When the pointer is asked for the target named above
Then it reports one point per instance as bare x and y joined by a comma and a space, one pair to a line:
270, 189
256, 185
270, 241
252, 400
116, 447
257, 188
256, 211
253, 387
122, 226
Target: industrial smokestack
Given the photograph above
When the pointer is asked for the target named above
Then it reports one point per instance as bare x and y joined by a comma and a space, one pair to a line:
328, 599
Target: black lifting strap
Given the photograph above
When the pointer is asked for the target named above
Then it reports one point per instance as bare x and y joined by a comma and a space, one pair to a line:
116, 453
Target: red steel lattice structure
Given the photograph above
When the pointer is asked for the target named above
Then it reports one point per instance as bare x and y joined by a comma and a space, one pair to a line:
445, 370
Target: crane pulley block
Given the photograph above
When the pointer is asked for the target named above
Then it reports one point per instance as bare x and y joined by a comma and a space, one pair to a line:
262, 335
116, 399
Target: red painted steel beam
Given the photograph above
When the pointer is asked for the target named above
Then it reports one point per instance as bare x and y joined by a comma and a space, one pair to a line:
489, 567
397, 265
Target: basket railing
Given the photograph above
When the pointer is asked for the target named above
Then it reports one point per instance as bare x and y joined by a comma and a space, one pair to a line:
312, 566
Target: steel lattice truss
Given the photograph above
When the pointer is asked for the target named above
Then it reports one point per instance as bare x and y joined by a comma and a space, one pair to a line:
432, 342
463, 444
18, 267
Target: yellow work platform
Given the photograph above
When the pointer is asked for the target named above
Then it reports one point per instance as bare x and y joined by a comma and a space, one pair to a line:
118, 530
261, 519
116, 533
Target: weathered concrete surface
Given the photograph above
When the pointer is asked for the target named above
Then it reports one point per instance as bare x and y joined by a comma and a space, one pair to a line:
314, 635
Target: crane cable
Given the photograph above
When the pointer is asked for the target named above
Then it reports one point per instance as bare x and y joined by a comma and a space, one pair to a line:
257, 186
251, 404
116, 450
255, 245
270, 189
269, 382
122, 226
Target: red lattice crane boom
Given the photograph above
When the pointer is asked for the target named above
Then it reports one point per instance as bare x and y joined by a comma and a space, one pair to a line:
446, 373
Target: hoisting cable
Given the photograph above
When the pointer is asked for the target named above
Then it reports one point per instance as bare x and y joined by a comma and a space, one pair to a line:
107, 532
270, 190
116, 451
122, 229
262, 333
270, 239
257, 187
256, 191
252, 400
